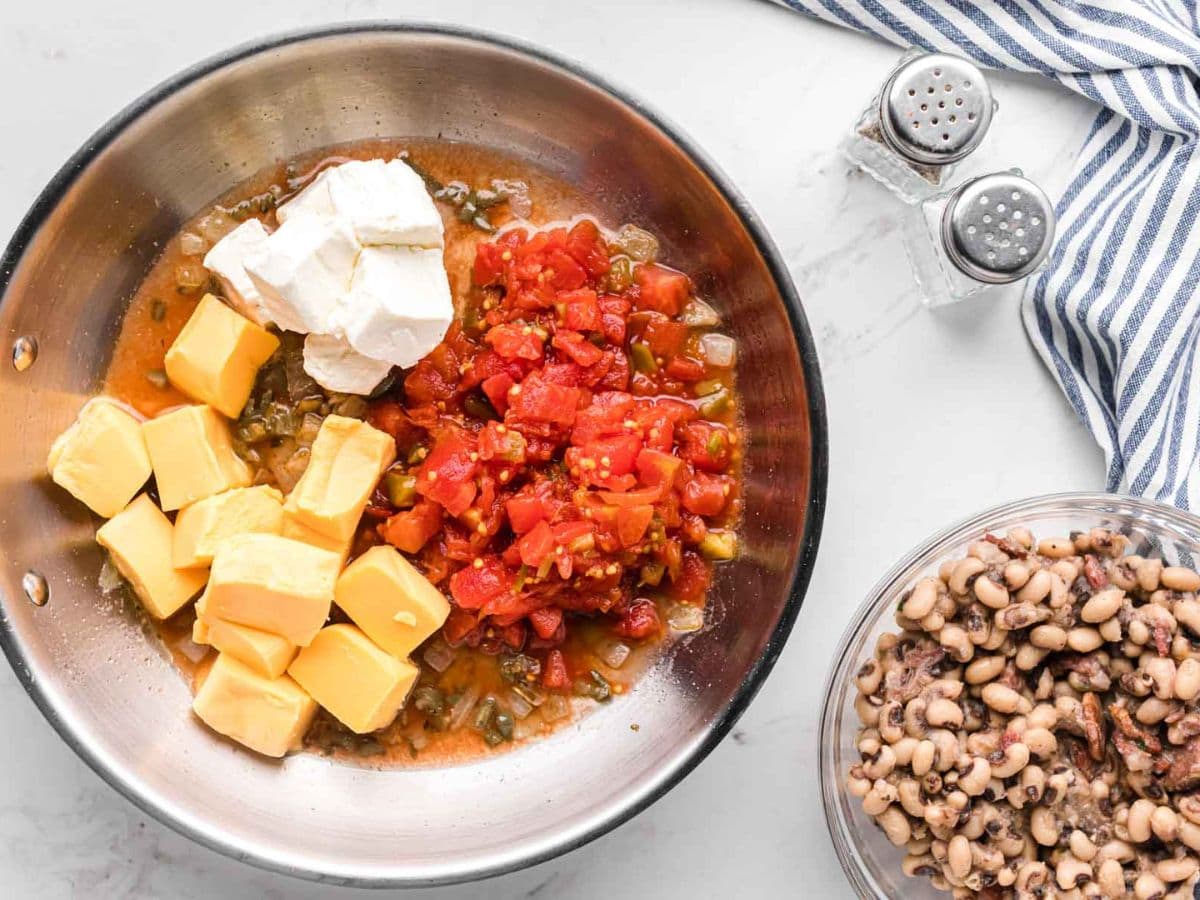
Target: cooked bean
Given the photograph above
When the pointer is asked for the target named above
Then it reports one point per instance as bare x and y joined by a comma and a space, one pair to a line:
1071, 872
1111, 630
1015, 758
956, 640
1082, 846
918, 866
1162, 672
1084, 640
1111, 878
975, 781
1016, 574
1179, 869
941, 712
1149, 574
1189, 835
1043, 826
1033, 783
1004, 699
1029, 657
1152, 711
984, 668
891, 721
1041, 742
880, 764
923, 757
895, 825
990, 593
1148, 887
1177, 578
1044, 715
1165, 824
963, 572
1048, 637
921, 601
958, 854
1036, 589
1137, 826
909, 794
1187, 680
879, 798
1102, 605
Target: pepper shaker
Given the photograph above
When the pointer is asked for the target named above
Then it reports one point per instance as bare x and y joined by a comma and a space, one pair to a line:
987, 232
933, 110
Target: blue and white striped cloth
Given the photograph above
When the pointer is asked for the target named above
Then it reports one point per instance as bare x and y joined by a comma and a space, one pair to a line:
1116, 314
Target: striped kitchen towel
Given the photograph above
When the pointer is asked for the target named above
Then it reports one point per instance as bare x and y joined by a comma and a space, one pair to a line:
1116, 313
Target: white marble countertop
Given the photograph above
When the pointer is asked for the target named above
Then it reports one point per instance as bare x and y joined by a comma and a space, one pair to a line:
913, 399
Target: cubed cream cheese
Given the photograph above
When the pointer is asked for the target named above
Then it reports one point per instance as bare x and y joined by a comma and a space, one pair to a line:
227, 260
303, 269
201, 527
192, 454
344, 465
362, 686
267, 654
268, 715
313, 199
337, 366
398, 307
296, 530
217, 355
138, 539
394, 604
274, 584
101, 459
385, 203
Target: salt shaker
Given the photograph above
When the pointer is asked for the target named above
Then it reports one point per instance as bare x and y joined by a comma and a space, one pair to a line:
933, 110
989, 231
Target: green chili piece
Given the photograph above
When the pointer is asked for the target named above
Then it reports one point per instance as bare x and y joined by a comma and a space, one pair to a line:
484, 713
716, 444
652, 574
620, 274
477, 406
643, 358
519, 581
504, 724
715, 404
709, 386
401, 489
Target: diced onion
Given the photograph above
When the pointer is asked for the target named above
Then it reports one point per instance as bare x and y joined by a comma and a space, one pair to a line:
615, 654
216, 225
461, 710
718, 350
556, 707
685, 618
519, 705
189, 648
110, 578
699, 314
192, 244
439, 655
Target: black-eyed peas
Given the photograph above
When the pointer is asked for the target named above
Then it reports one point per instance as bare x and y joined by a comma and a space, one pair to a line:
1033, 728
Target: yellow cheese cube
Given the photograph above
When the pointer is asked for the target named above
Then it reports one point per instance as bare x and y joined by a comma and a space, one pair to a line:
217, 355
272, 583
101, 459
266, 653
201, 527
391, 601
139, 540
269, 715
361, 685
296, 530
192, 454
347, 459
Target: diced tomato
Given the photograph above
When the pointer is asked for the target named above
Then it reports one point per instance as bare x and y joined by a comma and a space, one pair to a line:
563, 272
489, 263
640, 620
617, 376
473, 586
536, 544
458, 625
632, 524
616, 453
692, 528
606, 415
554, 672
546, 621
577, 348
625, 499
388, 416
537, 400
411, 529
695, 575
684, 368
661, 289
706, 445
525, 511
581, 311
706, 495
448, 474
664, 335
655, 467
501, 443
568, 533
515, 341
586, 246
496, 388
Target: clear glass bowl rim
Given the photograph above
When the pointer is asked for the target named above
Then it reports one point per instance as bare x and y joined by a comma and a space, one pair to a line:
1159, 517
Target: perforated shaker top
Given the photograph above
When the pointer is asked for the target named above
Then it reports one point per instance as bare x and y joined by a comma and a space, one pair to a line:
998, 228
935, 109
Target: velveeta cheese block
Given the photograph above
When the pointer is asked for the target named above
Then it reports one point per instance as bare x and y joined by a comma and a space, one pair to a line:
201, 527
362, 686
348, 456
101, 459
267, 654
394, 604
274, 584
217, 355
296, 530
139, 541
192, 454
268, 715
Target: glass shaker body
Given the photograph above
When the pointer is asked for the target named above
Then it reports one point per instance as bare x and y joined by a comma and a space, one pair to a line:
933, 110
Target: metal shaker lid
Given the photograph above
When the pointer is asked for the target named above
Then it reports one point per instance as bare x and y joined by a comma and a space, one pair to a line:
935, 109
998, 228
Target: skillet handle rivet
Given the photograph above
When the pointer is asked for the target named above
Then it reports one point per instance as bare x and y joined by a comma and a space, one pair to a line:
24, 352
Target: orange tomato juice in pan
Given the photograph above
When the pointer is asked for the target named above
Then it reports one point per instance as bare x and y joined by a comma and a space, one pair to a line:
159, 310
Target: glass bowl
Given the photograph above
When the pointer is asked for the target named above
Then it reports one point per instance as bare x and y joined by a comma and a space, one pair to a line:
871, 863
